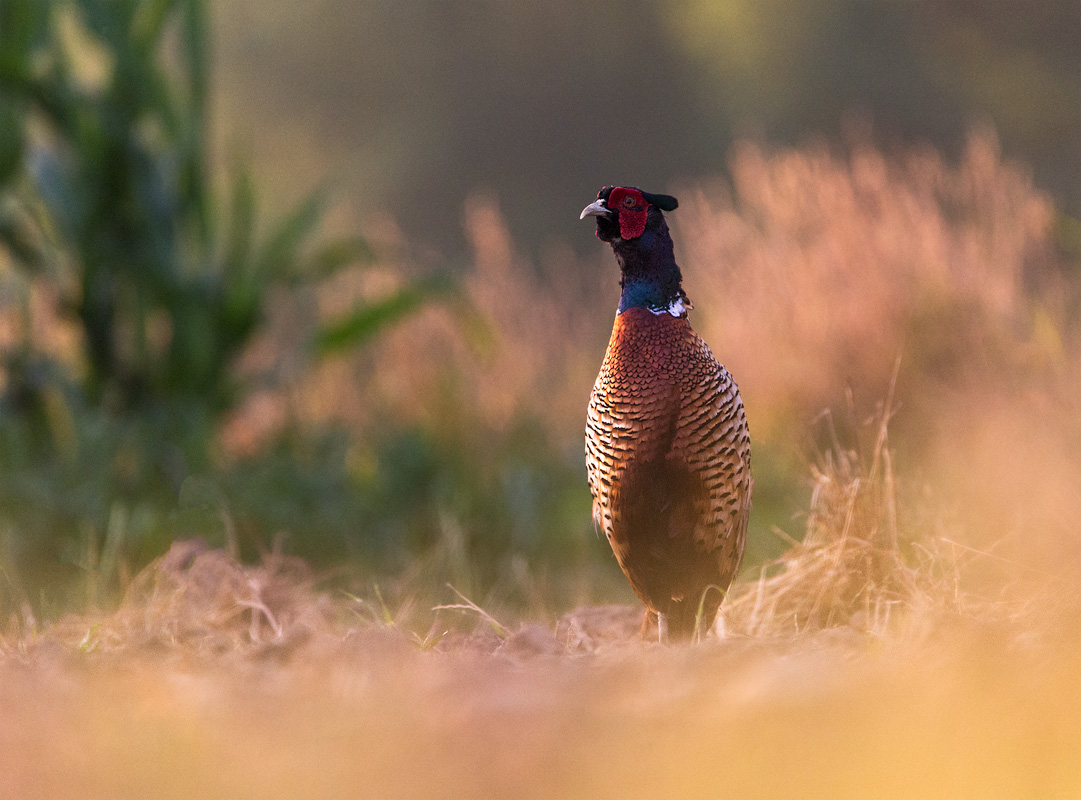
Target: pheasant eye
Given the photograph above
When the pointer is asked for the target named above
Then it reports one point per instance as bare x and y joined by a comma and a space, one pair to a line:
628, 201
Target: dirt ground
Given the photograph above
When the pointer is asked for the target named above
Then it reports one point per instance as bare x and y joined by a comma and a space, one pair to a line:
220, 681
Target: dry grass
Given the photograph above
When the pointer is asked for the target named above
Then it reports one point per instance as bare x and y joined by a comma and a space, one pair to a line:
867, 563
870, 665
218, 680
818, 268
873, 663
810, 273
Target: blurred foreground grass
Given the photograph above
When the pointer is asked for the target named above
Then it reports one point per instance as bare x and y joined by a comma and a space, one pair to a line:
858, 670
976, 711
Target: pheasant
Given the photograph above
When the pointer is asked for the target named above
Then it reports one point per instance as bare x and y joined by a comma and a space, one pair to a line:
668, 451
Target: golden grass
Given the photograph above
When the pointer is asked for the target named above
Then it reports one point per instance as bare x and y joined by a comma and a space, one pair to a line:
217, 680
757, 720
817, 269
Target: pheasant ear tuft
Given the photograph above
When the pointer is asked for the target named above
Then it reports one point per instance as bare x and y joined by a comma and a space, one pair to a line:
665, 202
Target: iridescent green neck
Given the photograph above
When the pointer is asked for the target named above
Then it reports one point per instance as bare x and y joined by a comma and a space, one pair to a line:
650, 276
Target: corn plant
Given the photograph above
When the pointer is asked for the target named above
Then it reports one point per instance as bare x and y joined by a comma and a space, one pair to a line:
163, 268
105, 114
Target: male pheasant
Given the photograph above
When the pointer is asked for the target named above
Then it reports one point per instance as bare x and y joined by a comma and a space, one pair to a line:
667, 447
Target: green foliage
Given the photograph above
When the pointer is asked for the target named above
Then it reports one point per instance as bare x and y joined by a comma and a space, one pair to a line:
78, 515
473, 500
165, 294
107, 202
164, 299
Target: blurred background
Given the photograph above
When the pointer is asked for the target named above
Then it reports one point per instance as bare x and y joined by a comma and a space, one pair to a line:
413, 108
311, 276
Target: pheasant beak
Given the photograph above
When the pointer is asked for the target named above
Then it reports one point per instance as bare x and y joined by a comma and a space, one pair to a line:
595, 209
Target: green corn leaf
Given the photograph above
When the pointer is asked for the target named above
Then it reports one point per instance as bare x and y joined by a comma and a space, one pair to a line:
53, 98
241, 221
149, 23
197, 55
332, 257
25, 24
281, 248
12, 145
108, 20
365, 322
162, 104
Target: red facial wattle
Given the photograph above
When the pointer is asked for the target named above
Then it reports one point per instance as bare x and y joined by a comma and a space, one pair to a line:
632, 209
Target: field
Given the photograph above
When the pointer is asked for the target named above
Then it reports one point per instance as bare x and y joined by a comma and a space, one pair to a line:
976, 710
904, 331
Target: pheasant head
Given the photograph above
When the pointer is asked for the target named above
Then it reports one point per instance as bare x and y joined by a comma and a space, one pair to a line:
632, 222
625, 213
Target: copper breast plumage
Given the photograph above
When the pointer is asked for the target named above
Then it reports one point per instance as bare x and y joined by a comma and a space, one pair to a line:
668, 458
